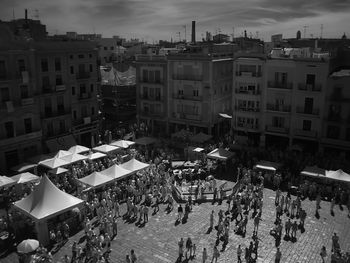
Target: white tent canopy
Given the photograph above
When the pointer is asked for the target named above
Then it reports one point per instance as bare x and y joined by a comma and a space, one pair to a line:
58, 170
62, 153
24, 167
134, 165
25, 178
46, 201
220, 154
198, 150
145, 141
122, 143
73, 158
200, 137
116, 172
313, 171
6, 181
78, 149
96, 179
105, 148
53, 163
94, 156
338, 175
266, 165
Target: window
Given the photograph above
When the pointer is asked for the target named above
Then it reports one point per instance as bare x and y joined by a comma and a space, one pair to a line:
157, 76
73, 91
59, 80
92, 88
84, 111
62, 126
92, 110
81, 56
145, 92
9, 129
44, 65
145, 75
306, 125
281, 77
48, 108
310, 79
46, 82
112, 48
90, 55
28, 125
278, 122
60, 105
71, 69
82, 88
308, 105
2, 69
57, 64
195, 93
333, 132
180, 92
5, 94
151, 76
21, 65
49, 129
104, 48
24, 91
71, 56
74, 114
91, 68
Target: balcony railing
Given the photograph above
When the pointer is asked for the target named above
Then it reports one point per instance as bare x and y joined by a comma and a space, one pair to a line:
309, 87
305, 133
334, 118
187, 97
149, 113
60, 87
83, 75
253, 109
53, 114
248, 74
20, 138
338, 96
152, 98
248, 92
187, 77
276, 129
148, 81
84, 96
192, 117
302, 110
279, 85
248, 126
279, 108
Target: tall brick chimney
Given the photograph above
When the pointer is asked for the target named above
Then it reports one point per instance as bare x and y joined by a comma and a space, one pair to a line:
193, 39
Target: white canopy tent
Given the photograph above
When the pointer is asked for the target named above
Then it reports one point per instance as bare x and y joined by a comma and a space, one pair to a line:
24, 167
58, 170
313, 171
96, 179
266, 165
62, 153
198, 150
53, 163
134, 165
6, 181
105, 148
122, 143
73, 158
220, 154
116, 172
25, 178
78, 149
44, 202
96, 155
338, 175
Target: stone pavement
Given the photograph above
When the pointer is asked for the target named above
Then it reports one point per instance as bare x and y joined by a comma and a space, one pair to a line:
157, 240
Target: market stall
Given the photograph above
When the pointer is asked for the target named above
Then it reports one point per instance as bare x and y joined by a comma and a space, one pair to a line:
96, 180
134, 165
116, 172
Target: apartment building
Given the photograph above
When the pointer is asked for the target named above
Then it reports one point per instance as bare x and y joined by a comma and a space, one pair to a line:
294, 96
152, 92
247, 101
48, 96
336, 122
200, 90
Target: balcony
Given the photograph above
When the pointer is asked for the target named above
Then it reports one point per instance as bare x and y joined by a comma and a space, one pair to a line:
278, 108
279, 85
51, 89
27, 101
187, 77
338, 96
60, 88
154, 82
151, 114
187, 97
276, 129
85, 96
304, 133
335, 118
248, 74
248, 126
21, 138
50, 114
151, 98
302, 110
309, 87
192, 117
83, 75
246, 109
248, 92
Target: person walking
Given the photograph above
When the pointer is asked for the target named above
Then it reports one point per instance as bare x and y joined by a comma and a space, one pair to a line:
211, 220
332, 205
133, 256
288, 225
181, 248
188, 247
239, 254
216, 254
323, 253
204, 255
294, 229
179, 213
257, 220
278, 256
145, 213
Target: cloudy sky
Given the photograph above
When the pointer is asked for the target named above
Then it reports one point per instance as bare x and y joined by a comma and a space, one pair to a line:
152, 20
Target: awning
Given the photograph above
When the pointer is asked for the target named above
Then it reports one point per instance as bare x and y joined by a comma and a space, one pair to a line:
96, 179
23, 167
220, 154
73, 158
53, 163
266, 165
105, 148
6, 181
116, 172
198, 150
122, 143
64, 142
145, 140
78, 149
62, 153
97, 155
134, 165
224, 115
25, 178
58, 170
338, 175
313, 171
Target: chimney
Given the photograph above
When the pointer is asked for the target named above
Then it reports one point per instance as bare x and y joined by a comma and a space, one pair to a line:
26, 14
193, 39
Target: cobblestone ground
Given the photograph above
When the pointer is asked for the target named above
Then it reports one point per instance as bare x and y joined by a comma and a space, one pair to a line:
157, 240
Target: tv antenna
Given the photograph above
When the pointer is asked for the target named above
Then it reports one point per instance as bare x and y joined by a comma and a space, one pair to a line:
305, 27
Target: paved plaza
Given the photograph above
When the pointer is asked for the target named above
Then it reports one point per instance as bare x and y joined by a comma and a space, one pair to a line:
158, 240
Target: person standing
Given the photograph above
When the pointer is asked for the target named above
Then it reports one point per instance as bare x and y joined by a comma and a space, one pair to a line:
278, 256
204, 255
239, 254
216, 254
181, 248
288, 225
180, 212
294, 229
133, 256
256, 223
323, 253
188, 247
211, 220
145, 213
332, 205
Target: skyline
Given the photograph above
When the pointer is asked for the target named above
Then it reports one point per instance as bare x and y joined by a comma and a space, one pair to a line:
162, 19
